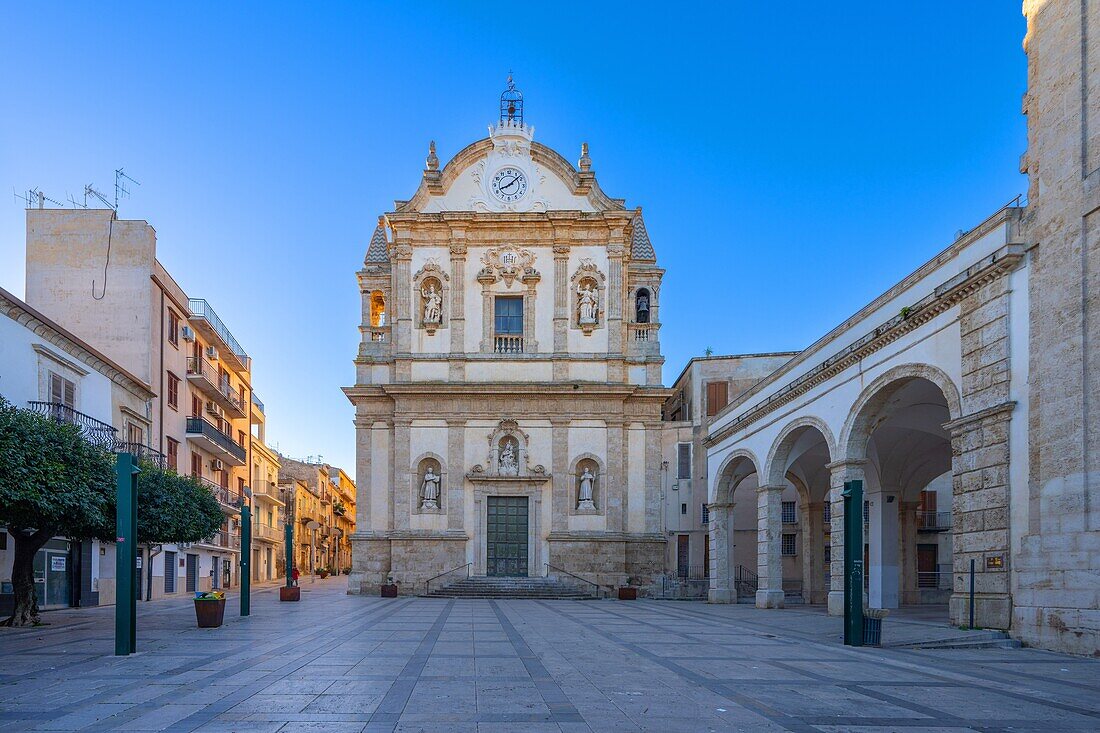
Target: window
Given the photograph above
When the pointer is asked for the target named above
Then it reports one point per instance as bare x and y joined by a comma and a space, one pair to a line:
828, 555
240, 438
717, 397
196, 465
134, 434
683, 508
508, 315
866, 512
173, 328
62, 391
704, 516
828, 515
173, 453
240, 486
789, 516
683, 460
789, 545
196, 406
173, 391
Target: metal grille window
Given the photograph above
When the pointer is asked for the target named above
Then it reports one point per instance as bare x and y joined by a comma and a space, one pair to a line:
704, 516
789, 515
828, 513
683, 460
508, 316
789, 547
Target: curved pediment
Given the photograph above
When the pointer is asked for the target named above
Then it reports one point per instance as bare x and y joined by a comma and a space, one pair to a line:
540, 179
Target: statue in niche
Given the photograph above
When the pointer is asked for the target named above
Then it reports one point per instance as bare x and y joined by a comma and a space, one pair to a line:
587, 479
429, 490
508, 464
588, 303
433, 304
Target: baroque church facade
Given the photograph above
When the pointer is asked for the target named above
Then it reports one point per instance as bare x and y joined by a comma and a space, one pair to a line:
508, 382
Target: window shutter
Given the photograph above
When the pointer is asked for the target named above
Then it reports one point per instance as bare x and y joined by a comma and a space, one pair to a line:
70, 394
55, 388
717, 397
683, 460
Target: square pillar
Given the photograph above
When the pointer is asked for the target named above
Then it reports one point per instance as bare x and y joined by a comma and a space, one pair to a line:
907, 527
769, 542
721, 523
882, 551
839, 472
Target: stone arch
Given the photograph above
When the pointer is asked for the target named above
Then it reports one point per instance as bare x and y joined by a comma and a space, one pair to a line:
377, 309
419, 464
776, 469
739, 454
858, 425
575, 470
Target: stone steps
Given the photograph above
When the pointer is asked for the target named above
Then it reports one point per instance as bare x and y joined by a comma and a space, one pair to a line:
500, 588
987, 639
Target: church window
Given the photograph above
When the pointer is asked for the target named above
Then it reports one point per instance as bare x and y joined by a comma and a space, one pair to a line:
641, 306
509, 315
377, 309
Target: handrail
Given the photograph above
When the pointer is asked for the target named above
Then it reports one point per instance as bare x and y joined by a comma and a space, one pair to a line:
596, 586
428, 582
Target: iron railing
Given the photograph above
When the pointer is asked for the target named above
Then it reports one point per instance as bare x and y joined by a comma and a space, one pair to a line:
96, 432
595, 588
692, 572
228, 540
938, 579
198, 366
143, 453
201, 309
429, 581
933, 521
745, 581
226, 497
198, 425
508, 344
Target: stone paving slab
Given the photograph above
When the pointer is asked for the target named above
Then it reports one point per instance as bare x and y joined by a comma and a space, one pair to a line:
349, 663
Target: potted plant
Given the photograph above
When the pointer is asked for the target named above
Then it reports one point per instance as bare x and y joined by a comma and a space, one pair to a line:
323, 572
209, 608
629, 592
389, 588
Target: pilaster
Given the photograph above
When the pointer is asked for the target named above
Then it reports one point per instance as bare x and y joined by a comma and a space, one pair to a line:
456, 489
839, 472
457, 305
402, 475
402, 296
721, 519
562, 493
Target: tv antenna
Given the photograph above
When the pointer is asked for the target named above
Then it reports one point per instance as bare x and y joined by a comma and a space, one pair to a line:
34, 198
122, 182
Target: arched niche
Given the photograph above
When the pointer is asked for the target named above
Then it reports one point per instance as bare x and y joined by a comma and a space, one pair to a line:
432, 296
421, 465
587, 280
596, 468
377, 309
643, 305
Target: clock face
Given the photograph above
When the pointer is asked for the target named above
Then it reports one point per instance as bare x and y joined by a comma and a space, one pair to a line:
509, 184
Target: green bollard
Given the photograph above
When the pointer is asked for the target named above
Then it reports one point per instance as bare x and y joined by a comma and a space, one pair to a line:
125, 555
853, 563
246, 555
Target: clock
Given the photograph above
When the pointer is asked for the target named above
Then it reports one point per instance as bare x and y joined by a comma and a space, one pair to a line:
509, 184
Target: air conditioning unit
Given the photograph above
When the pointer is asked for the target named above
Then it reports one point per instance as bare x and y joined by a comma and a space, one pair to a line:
187, 333
211, 352
213, 408
217, 464
185, 545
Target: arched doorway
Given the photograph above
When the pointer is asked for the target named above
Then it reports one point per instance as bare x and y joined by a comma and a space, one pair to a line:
898, 428
733, 531
800, 463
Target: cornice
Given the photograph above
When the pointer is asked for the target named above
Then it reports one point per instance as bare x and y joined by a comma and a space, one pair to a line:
946, 296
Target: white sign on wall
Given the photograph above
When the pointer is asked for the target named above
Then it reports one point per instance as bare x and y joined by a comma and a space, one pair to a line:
57, 562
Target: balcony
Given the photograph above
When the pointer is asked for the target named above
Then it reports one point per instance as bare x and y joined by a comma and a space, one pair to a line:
268, 492
204, 320
205, 376
933, 521
224, 541
96, 432
143, 454
265, 533
229, 500
508, 344
209, 438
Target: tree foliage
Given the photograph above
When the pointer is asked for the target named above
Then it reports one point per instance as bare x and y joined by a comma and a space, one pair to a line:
174, 508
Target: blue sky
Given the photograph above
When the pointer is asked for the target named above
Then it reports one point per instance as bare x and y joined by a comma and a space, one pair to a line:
793, 159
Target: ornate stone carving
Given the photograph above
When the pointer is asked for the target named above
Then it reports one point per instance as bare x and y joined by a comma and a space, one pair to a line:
507, 263
508, 453
431, 284
429, 489
588, 287
584, 494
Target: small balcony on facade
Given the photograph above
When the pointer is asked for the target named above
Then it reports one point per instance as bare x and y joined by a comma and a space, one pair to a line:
96, 432
507, 344
208, 437
228, 499
933, 521
266, 533
222, 540
203, 375
267, 491
204, 320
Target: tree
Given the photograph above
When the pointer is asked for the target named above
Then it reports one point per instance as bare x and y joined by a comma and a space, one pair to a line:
52, 483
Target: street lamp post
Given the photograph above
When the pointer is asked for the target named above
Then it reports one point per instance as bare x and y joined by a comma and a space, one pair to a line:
246, 552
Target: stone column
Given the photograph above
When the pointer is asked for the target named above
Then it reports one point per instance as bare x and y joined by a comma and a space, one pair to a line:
721, 523
402, 475
403, 298
882, 551
615, 488
364, 488
456, 320
839, 472
769, 547
813, 543
907, 528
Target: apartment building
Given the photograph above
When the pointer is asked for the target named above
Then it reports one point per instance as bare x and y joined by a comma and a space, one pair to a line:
320, 504
268, 506
100, 277
343, 510
48, 369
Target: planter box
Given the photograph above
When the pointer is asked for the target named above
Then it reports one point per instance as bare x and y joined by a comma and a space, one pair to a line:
209, 614
293, 593
627, 594
388, 591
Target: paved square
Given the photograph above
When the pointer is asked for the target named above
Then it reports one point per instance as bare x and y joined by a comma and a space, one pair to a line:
344, 663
